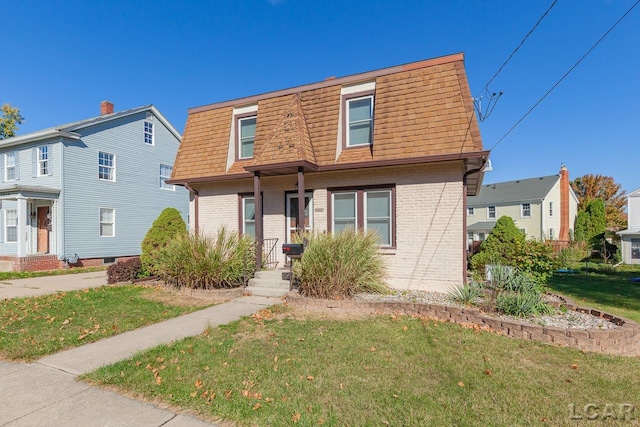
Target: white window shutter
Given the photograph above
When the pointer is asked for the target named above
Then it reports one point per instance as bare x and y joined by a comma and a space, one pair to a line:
1, 225
1, 167
17, 156
34, 161
50, 154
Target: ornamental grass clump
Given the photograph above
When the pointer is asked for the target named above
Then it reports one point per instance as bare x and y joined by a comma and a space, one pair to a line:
340, 265
198, 261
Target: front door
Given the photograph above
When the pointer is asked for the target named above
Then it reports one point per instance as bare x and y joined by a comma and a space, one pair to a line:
43, 229
292, 214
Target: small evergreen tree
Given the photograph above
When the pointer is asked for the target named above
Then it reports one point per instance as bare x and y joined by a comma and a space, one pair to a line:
165, 228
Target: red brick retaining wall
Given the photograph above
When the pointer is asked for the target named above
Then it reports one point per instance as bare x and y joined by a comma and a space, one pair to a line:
624, 339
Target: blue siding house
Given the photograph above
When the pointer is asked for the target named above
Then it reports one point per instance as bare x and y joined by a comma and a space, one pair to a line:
85, 193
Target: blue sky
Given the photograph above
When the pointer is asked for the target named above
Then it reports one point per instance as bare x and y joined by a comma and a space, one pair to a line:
61, 58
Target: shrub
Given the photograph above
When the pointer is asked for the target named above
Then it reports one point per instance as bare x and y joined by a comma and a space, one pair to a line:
341, 265
467, 294
124, 271
167, 226
201, 262
522, 304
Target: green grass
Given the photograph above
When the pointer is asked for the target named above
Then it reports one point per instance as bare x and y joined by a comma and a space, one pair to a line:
33, 327
28, 274
383, 370
606, 289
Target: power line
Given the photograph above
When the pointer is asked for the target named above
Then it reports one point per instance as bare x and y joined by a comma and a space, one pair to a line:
521, 43
566, 74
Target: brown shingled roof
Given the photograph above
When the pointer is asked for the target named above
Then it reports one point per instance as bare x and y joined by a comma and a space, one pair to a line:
421, 110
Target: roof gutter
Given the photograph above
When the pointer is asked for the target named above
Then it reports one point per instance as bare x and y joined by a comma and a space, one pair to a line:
39, 136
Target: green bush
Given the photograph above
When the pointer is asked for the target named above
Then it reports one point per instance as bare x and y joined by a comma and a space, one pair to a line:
522, 304
467, 294
167, 226
197, 261
341, 265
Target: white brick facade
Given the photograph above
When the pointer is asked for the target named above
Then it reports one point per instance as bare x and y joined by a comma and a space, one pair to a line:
429, 252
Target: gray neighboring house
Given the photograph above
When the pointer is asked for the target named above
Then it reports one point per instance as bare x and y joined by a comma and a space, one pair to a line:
543, 208
86, 192
630, 238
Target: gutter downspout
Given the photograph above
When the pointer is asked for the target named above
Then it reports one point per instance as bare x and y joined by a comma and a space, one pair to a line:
464, 218
62, 215
196, 206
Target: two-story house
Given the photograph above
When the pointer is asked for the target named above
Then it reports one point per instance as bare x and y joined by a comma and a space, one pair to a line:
543, 208
394, 150
630, 238
86, 192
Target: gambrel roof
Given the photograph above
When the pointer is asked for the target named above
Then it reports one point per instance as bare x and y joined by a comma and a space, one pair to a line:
423, 113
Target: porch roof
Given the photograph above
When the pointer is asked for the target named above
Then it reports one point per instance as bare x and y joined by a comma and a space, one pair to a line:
482, 226
15, 191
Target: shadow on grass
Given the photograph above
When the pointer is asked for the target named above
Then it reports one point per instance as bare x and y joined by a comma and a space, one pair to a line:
609, 290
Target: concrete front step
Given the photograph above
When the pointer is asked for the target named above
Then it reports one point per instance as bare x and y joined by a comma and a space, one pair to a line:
267, 292
268, 283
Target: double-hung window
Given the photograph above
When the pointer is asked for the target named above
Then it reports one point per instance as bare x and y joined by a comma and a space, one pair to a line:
364, 209
470, 211
148, 133
359, 121
165, 174
10, 166
11, 225
525, 211
106, 166
635, 248
107, 222
246, 136
249, 216
491, 212
550, 208
43, 160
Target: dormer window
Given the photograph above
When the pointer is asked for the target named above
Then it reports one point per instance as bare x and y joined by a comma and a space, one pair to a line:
246, 136
359, 120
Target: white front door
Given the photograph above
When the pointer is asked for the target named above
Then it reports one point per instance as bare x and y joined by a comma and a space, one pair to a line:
292, 214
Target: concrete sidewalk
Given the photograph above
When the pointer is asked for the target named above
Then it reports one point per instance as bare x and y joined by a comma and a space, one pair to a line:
45, 393
19, 288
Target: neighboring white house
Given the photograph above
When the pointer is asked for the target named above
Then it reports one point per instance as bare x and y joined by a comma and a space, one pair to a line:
544, 208
630, 238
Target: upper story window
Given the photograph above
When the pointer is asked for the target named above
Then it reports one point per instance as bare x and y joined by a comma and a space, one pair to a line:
359, 120
491, 212
106, 166
165, 174
550, 208
246, 136
470, 211
148, 133
43, 160
10, 166
525, 211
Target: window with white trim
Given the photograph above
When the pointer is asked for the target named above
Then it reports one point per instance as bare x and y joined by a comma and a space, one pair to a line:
491, 212
635, 248
165, 174
359, 113
249, 216
148, 133
107, 222
11, 225
106, 166
246, 136
550, 208
552, 234
43, 160
10, 166
364, 209
525, 210
470, 211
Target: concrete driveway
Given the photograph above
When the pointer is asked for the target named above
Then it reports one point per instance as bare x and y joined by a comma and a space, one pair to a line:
19, 288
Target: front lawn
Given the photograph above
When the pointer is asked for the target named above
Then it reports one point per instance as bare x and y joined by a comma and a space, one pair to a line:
606, 289
34, 327
283, 367
10, 275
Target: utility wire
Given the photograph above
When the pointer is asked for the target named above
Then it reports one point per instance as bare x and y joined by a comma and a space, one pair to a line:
565, 75
520, 45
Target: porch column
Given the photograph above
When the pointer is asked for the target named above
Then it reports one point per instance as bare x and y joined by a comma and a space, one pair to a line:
22, 227
301, 199
258, 213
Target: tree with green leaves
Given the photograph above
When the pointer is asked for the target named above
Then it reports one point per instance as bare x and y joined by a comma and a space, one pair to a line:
591, 221
590, 187
9, 121
164, 229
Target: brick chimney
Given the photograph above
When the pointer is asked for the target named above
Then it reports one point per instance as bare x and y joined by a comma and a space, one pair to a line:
564, 204
106, 107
